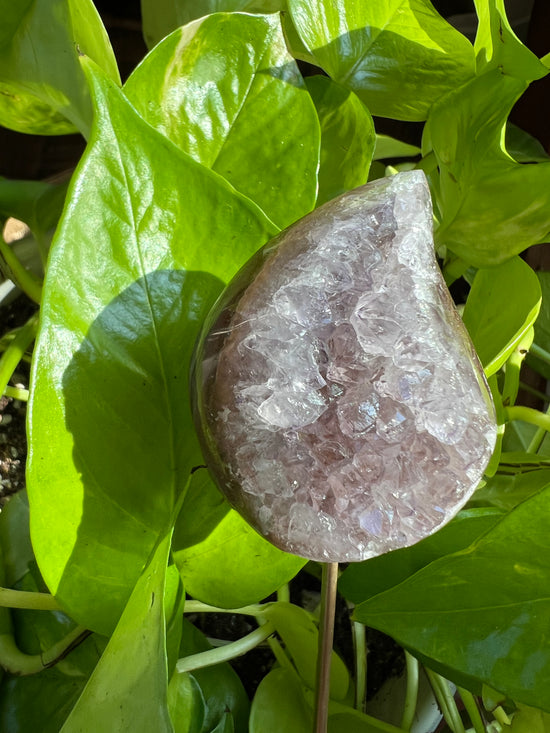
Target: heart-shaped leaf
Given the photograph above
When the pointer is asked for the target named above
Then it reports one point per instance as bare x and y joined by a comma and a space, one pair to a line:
145, 244
491, 207
398, 56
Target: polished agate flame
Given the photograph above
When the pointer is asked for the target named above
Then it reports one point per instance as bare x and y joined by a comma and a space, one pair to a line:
341, 405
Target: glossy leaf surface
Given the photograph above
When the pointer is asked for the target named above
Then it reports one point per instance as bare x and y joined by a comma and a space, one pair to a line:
481, 614
43, 88
221, 559
398, 56
502, 305
226, 91
361, 581
491, 206
130, 278
128, 689
347, 138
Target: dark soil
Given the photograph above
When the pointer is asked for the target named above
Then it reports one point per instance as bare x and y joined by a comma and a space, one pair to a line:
13, 439
385, 657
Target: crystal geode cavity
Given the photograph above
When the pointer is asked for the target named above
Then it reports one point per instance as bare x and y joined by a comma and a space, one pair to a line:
342, 407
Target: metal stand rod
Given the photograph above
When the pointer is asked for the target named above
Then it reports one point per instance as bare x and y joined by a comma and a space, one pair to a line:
326, 637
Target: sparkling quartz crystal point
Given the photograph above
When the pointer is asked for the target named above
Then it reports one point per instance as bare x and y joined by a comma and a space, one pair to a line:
340, 403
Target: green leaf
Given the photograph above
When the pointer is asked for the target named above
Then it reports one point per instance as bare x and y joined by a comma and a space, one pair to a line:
542, 326
43, 701
398, 56
226, 91
351, 722
15, 541
301, 638
221, 559
36, 203
147, 240
128, 690
347, 137
506, 492
38, 702
502, 305
364, 580
491, 207
530, 720
13, 15
162, 17
226, 725
186, 704
220, 685
498, 47
43, 89
480, 615
388, 147
279, 705
523, 147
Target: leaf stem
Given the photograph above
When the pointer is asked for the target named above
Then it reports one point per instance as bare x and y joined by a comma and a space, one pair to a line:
28, 599
472, 709
256, 610
17, 393
411, 697
528, 415
16, 662
360, 646
446, 701
14, 270
227, 652
283, 594
538, 437
13, 354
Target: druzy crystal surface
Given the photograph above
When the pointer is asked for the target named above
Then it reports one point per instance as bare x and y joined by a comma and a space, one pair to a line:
343, 410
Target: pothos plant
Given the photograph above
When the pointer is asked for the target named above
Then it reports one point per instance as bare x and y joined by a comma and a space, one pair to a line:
214, 144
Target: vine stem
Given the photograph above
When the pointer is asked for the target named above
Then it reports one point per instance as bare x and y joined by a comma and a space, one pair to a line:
257, 610
411, 696
28, 599
360, 646
18, 663
13, 354
529, 415
326, 638
17, 393
227, 652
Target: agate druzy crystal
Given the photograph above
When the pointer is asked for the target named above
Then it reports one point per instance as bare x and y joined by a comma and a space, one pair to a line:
342, 408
